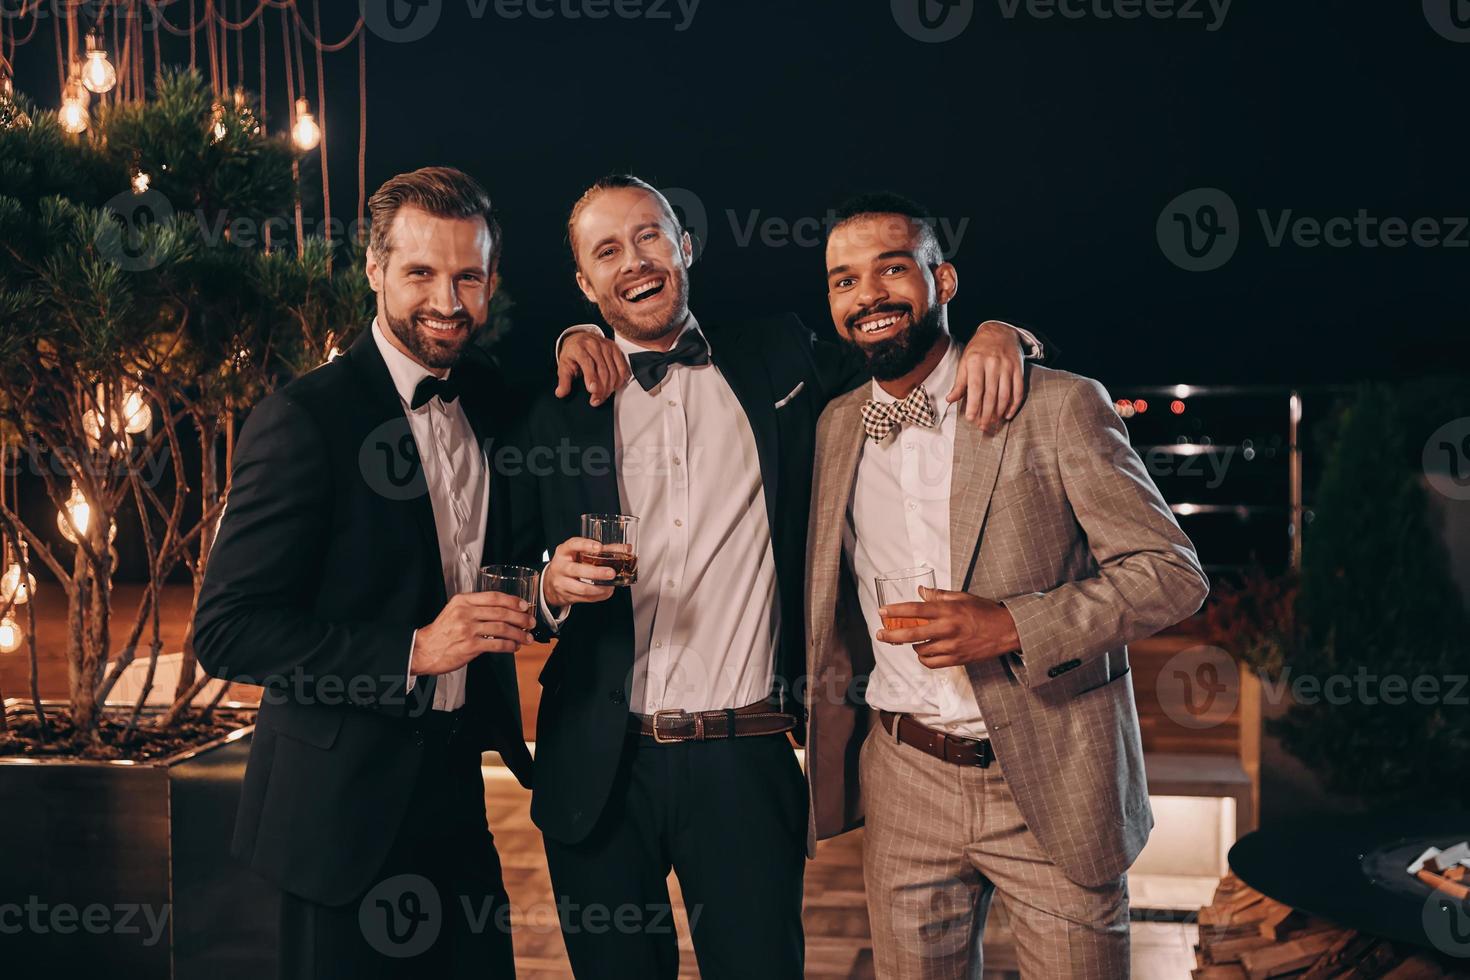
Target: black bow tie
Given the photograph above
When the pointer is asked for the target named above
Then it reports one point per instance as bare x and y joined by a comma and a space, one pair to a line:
651, 367
447, 390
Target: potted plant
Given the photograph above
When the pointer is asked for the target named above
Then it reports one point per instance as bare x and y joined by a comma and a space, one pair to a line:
1362, 654
143, 313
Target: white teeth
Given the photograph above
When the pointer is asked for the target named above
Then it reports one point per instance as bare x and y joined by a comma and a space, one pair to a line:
883, 324
637, 291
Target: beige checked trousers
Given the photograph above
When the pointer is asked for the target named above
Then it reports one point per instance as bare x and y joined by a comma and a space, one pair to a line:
940, 840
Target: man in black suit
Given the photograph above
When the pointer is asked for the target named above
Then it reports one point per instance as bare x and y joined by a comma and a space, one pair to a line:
343, 579
661, 735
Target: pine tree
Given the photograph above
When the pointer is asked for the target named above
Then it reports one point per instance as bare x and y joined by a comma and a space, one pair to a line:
135, 281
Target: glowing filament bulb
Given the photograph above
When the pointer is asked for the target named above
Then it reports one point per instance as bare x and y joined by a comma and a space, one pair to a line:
305, 133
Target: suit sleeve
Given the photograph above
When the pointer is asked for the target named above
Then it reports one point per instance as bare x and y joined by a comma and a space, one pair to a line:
253, 623
1148, 574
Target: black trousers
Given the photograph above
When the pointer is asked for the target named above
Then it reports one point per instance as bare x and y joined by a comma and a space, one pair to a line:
438, 907
730, 818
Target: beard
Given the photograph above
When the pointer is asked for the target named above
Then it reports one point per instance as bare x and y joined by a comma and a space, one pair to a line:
898, 355
626, 321
428, 348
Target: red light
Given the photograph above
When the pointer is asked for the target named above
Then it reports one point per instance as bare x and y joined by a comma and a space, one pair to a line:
1122, 403
1177, 407
1140, 406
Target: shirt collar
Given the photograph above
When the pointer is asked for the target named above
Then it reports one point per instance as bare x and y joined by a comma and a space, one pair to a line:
629, 347
938, 383
404, 370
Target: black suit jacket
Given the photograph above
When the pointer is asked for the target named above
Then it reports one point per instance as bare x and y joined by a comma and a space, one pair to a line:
326, 561
560, 465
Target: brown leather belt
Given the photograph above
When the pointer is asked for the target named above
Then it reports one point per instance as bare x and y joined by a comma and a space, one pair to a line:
676, 725
949, 748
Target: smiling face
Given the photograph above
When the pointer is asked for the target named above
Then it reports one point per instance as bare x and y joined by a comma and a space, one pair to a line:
434, 284
887, 286
633, 262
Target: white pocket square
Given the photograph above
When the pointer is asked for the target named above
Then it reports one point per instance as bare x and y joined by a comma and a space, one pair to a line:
792, 394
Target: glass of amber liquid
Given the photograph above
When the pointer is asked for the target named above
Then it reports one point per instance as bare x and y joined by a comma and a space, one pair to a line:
617, 539
902, 585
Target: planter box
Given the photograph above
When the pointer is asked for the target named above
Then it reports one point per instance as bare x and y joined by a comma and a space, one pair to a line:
115, 868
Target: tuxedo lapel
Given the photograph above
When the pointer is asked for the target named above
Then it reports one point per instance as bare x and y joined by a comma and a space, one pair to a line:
392, 446
972, 482
752, 387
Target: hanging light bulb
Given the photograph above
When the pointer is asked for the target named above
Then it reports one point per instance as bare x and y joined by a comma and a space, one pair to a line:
141, 182
7, 84
81, 515
74, 101
11, 588
98, 75
305, 133
11, 635
217, 130
74, 118
136, 411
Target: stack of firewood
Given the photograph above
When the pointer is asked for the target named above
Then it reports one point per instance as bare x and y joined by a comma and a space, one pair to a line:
1243, 935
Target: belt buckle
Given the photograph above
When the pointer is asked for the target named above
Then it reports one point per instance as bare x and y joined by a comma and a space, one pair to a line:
664, 713
983, 754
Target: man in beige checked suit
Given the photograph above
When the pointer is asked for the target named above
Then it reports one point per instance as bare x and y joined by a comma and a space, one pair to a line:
1005, 757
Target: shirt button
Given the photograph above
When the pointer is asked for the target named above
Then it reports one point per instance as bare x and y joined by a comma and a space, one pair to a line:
676, 460
673, 404
657, 644
913, 506
669, 584
678, 523
908, 447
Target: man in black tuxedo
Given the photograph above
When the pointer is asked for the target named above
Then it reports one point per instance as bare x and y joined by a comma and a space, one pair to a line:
344, 579
661, 735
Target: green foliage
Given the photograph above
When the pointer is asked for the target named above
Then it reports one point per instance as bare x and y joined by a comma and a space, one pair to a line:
1377, 600
172, 282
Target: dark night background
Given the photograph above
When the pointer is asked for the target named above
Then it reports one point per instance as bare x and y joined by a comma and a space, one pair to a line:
1059, 142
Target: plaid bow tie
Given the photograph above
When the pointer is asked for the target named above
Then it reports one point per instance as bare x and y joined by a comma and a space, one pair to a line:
881, 418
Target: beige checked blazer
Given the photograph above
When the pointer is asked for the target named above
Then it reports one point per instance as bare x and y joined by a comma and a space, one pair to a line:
1055, 516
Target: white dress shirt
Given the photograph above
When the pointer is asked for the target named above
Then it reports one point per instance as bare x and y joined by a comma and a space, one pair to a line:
705, 618
458, 477
907, 476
